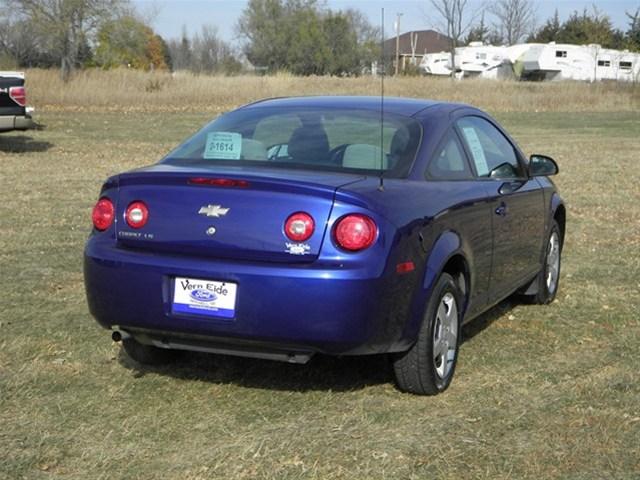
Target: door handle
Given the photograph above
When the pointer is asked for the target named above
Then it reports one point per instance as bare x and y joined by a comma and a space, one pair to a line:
502, 210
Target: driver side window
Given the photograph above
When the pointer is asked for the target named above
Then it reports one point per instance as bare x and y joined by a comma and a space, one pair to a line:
492, 154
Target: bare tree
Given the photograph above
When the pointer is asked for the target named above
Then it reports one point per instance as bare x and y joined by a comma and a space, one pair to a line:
18, 41
67, 24
516, 19
457, 21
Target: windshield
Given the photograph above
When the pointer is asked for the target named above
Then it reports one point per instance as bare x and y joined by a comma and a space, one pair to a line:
305, 138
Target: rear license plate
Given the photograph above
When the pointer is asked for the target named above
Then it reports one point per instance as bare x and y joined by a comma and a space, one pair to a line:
204, 297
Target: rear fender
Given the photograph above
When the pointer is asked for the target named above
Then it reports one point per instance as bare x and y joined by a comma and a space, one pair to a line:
446, 246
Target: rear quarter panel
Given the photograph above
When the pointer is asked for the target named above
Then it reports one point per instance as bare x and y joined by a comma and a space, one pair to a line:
432, 221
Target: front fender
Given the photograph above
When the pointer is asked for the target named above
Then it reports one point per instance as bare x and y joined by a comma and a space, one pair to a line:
556, 202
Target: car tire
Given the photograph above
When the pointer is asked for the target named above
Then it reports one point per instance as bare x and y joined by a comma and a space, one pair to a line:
147, 354
427, 368
548, 279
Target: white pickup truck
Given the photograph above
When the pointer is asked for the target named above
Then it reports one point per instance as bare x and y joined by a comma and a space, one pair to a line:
14, 113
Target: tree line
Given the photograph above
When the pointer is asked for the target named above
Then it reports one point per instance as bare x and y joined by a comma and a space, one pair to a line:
591, 27
303, 37
517, 23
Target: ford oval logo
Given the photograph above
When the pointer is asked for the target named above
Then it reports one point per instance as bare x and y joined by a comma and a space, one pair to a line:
203, 295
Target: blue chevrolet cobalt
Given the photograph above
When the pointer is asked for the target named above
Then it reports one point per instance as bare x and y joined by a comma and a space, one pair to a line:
333, 225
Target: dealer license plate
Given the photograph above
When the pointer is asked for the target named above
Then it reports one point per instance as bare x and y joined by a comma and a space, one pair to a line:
204, 297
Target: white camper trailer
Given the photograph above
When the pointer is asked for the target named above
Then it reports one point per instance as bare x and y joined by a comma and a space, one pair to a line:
484, 61
436, 63
617, 65
537, 61
576, 62
476, 60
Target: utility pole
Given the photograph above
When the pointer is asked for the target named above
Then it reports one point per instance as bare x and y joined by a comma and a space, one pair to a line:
398, 43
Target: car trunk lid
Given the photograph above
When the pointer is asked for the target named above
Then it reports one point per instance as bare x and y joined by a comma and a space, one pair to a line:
229, 214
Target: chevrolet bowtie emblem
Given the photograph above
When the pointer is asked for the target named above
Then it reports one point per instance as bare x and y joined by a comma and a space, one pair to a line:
213, 211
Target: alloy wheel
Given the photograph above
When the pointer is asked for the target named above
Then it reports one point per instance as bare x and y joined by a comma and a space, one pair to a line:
553, 262
445, 335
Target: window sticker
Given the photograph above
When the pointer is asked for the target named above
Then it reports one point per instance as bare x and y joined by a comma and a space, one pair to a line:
476, 151
223, 146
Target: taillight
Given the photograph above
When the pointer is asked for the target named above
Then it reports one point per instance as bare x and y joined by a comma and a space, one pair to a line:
18, 95
219, 182
103, 214
137, 214
299, 226
355, 232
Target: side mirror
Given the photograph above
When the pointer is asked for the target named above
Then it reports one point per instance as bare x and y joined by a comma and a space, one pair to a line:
542, 166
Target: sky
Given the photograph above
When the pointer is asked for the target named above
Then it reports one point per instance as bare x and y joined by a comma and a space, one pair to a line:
169, 16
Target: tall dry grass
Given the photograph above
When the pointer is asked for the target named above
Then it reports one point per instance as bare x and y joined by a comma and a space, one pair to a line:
130, 90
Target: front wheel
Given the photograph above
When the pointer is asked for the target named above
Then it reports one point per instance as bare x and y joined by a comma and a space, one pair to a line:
549, 277
427, 368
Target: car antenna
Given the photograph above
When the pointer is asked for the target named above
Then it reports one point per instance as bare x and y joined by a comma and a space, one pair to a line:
382, 72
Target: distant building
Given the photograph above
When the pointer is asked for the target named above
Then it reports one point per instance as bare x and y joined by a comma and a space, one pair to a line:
415, 45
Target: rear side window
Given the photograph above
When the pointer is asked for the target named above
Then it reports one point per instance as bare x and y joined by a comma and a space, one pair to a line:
449, 161
492, 154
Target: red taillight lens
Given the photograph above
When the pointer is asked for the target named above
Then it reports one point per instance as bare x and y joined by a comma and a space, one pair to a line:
18, 95
299, 226
219, 182
103, 214
355, 232
137, 215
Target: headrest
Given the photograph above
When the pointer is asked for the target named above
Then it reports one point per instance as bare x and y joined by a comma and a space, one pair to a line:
309, 145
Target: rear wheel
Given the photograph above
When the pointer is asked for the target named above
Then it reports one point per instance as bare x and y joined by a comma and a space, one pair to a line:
147, 354
549, 277
428, 366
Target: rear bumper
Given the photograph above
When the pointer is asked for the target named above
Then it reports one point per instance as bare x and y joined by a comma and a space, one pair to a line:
299, 308
16, 122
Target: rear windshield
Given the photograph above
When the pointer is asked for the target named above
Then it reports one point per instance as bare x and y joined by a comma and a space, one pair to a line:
340, 140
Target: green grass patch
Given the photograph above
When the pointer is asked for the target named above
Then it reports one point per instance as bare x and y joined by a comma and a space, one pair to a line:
540, 391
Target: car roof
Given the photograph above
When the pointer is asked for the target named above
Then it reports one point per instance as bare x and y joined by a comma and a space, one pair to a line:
398, 105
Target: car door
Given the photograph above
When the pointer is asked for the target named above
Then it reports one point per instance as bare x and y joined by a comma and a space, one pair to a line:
517, 203
463, 209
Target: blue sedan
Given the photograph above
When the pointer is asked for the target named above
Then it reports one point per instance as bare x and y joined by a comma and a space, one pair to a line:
334, 225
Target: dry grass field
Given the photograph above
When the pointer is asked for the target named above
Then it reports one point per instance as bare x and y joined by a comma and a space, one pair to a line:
135, 91
541, 392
